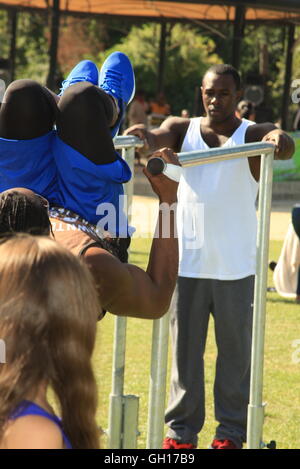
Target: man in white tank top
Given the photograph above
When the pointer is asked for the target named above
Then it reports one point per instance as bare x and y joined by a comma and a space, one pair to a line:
216, 221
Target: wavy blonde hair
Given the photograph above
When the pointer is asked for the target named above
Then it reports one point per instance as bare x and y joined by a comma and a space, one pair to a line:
48, 319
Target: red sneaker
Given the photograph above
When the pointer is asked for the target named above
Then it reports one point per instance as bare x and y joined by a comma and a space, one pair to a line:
223, 444
169, 443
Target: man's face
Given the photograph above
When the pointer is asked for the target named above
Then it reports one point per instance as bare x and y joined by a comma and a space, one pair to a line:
220, 96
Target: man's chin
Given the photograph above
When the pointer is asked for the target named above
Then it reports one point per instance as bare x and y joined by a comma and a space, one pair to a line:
217, 117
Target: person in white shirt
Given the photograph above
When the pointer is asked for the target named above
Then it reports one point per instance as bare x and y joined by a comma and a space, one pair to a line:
217, 244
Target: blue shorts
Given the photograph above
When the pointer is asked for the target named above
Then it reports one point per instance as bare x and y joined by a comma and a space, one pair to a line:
30, 164
65, 177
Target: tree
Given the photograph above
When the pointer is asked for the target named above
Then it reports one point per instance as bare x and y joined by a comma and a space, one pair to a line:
188, 55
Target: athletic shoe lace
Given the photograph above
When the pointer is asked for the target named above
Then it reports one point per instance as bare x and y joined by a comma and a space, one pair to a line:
73, 80
112, 81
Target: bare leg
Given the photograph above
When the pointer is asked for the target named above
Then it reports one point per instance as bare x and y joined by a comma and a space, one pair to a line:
28, 111
85, 115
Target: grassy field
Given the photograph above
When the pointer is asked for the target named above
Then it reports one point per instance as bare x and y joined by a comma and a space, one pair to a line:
281, 372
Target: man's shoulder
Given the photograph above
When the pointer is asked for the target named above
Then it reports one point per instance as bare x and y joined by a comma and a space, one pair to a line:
176, 121
256, 132
178, 125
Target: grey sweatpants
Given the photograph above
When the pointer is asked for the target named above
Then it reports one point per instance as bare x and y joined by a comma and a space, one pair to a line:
231, 304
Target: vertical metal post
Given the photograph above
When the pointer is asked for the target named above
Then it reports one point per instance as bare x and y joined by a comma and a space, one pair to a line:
162, 57
115, 425
157, 395
288, 76
13, 19
238, 33
256, 408
130, 422
54, 38
116, 396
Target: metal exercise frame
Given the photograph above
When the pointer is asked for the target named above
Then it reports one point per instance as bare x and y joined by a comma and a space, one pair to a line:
123, 412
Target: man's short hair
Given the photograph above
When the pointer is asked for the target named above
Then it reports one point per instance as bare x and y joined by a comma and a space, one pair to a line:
226, 69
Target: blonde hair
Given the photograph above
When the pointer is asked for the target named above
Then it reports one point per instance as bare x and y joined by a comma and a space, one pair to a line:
48, 317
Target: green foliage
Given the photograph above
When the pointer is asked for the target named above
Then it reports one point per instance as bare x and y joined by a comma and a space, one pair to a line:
32, 46
273, 39
188, 55
4, 44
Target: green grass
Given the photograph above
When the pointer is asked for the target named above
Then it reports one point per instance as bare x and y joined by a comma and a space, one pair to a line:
281, 374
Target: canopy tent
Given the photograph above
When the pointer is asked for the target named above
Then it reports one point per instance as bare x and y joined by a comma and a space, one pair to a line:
206, 10
238, 12
177, 10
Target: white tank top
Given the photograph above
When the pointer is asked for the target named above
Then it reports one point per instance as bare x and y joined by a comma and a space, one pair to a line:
216, 217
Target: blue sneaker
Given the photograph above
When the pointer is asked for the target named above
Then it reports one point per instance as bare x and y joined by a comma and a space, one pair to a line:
85, 70
117, 79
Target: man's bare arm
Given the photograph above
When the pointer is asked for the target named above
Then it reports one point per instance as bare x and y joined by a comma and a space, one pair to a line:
125, 289
169, 134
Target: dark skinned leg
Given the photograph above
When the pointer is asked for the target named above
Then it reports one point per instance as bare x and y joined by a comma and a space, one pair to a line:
85, 115
28, 111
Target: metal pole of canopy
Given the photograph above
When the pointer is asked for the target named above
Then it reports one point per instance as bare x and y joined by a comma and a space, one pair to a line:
55, 18
288, 76
162, 56
13, 19
238, 34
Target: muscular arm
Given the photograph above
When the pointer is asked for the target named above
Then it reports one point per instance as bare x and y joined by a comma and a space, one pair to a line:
169, 134
125, 289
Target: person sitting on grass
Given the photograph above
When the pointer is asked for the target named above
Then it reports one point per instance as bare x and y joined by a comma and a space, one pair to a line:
48, 314
286, 275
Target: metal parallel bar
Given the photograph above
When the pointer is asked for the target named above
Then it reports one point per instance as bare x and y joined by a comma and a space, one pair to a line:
160, 331
256, 407
115, 419
127, 141
158, 382
130, 425
115, 425
214, 155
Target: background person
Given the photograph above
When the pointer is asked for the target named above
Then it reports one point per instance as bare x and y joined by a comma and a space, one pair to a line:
138, 109
185, 113
286, 275
48, 314
159, 105
246, 110
137, 114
